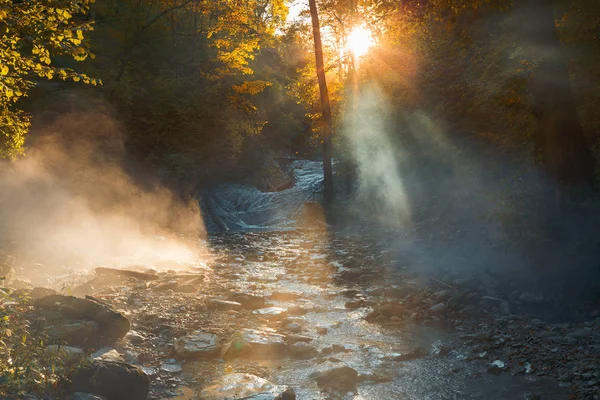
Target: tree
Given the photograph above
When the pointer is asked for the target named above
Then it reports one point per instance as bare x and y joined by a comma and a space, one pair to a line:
559, 141
35, 34
326, 107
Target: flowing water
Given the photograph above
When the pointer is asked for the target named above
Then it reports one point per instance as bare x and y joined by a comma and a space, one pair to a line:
321, 271
234, 207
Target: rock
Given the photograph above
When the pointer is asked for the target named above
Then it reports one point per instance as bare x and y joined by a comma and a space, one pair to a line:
224, 305
505, 308
414, 354
72, 332
171, 366
272, 313
496, 367
387, 310
291, 339
115, 381
338, 348
285, 296
438, 308
248, 301
134, 338
352, 305
334, 377
293, 327
107, 354
477, 336
297, 310
85, 396
99, 325
321, 330
245, 386
257, 344
302, 350
68, 354
438, 349
198, 344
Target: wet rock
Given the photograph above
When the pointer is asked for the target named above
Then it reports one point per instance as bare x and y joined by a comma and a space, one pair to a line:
477, 336
198, 344
68, 354
380, 375
438, 308
246, 386
302, 350
334, 377
496, 367
271, 313
224, 305
99, 325
285, 296
293, 327
115, 381
338, 348
297, 310
438, 349
387, 310
414, 354
321, 330
352, 305
248, 301
291, 339
254, 343
171, 366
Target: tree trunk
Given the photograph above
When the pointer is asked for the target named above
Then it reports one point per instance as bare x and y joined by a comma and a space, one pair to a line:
326, 107
559, 141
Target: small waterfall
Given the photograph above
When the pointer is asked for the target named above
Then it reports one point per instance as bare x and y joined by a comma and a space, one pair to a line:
234, 207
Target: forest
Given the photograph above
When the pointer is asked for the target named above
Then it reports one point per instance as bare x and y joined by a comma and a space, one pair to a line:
189, 189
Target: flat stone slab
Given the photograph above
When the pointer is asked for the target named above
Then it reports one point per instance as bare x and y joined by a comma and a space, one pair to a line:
198, 344
272, 313
252, 343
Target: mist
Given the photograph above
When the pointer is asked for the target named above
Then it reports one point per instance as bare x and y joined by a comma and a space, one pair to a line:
70, 204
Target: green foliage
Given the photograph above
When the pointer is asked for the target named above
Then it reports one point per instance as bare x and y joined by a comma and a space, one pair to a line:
25, 366
33, 33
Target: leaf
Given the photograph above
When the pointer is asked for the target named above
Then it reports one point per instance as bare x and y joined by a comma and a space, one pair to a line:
3, 70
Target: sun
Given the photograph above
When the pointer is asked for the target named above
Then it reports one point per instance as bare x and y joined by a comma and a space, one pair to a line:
359, 41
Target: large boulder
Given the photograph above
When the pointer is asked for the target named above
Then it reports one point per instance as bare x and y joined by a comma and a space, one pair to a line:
112, 380
82, 322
